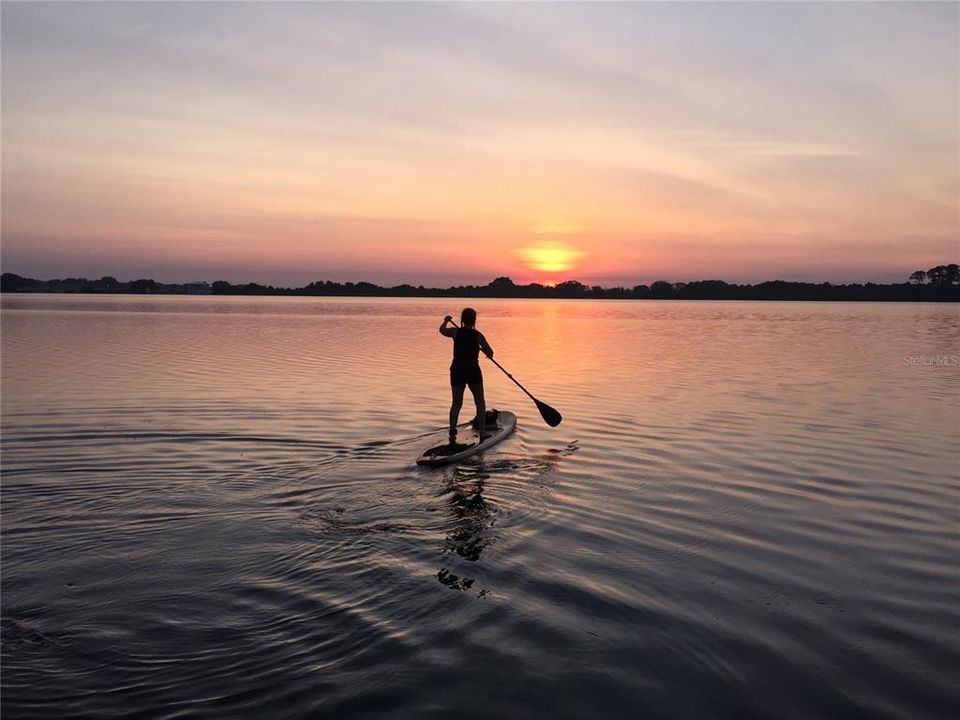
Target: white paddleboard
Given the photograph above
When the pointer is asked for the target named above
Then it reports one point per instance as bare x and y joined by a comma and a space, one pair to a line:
436, 455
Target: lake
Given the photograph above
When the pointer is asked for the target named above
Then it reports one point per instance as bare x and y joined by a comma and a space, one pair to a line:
210, 508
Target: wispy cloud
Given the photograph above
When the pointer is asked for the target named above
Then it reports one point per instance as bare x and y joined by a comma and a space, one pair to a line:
367, 137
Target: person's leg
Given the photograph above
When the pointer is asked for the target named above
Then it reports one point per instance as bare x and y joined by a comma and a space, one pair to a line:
455, 409
477, 389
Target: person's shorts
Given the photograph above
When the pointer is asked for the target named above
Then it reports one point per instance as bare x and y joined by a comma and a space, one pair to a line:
465, 376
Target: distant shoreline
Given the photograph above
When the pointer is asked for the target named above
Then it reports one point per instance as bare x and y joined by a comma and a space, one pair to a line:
939, 284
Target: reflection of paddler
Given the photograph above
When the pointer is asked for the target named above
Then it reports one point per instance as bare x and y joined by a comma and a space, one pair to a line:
472, 517
465, 368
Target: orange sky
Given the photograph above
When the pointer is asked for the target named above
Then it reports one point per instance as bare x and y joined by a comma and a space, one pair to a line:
450, 143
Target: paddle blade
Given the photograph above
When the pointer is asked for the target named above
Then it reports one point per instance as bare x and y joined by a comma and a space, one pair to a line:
551, 416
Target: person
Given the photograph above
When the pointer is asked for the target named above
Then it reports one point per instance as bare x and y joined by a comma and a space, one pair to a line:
465, 368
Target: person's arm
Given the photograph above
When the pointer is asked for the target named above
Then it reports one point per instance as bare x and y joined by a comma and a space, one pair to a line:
446, 330
485, 346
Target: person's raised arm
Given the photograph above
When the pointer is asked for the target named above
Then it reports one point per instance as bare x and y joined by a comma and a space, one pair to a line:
485, 346
445, 329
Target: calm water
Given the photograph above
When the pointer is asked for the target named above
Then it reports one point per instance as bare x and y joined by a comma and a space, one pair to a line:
210, 508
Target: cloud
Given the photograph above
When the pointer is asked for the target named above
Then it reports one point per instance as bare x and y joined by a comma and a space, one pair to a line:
438, 135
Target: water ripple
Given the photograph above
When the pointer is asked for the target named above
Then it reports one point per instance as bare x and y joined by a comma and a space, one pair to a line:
210, 509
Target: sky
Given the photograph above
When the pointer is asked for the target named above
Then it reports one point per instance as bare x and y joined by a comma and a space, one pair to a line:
449, 143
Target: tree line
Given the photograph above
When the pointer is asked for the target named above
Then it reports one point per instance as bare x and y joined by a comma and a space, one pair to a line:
940, 283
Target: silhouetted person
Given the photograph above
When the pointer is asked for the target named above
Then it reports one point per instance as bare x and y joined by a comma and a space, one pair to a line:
465, 369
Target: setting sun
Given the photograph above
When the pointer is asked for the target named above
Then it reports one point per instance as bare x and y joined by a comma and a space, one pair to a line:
550, 257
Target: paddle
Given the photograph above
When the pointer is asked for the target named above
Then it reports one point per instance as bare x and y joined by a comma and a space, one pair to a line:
550, 415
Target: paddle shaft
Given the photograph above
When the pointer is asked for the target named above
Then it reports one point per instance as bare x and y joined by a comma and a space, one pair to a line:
512, 378
504, 371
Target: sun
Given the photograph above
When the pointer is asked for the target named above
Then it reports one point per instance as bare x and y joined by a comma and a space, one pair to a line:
550, 257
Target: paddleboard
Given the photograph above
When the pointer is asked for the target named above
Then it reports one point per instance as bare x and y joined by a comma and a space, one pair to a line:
468, 442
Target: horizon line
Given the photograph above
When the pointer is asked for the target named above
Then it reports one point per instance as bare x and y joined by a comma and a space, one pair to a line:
507, 282
571, 281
